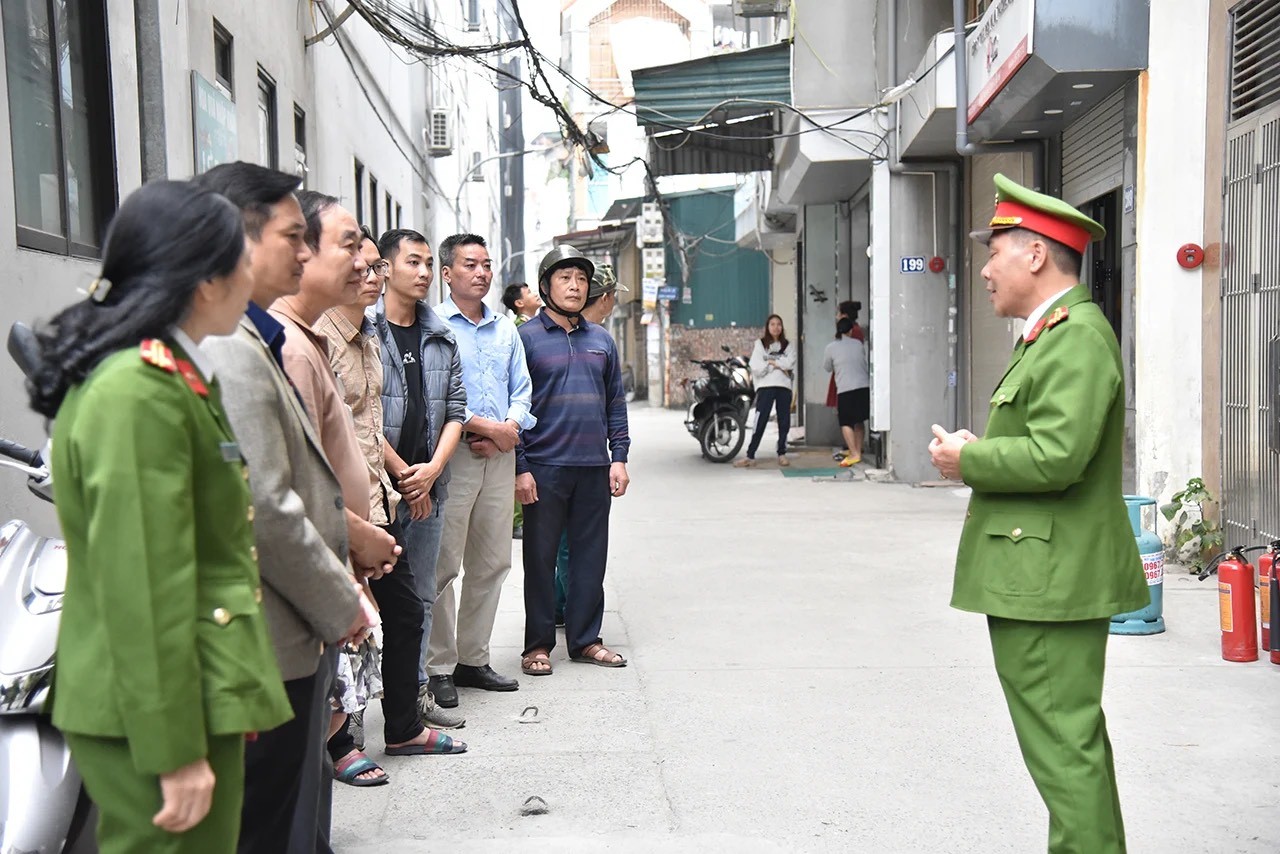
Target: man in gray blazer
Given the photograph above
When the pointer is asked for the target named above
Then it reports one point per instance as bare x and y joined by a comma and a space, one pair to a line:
310, 595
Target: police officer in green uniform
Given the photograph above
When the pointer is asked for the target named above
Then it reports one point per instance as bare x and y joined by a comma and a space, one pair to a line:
1047, 552
163, 658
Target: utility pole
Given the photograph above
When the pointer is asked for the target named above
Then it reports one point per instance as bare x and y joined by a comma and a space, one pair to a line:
146, 25
511, 139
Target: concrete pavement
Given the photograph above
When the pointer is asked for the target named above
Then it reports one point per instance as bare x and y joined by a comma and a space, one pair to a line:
799, 683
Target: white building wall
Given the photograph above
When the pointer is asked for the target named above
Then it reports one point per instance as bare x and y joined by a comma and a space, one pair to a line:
37, 284
455, 202
1170, 212
341, 125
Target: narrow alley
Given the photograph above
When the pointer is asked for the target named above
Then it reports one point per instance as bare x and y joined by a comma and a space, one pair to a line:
798, 683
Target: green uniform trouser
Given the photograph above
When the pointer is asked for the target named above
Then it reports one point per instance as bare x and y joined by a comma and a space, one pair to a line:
1052, 679
127, 800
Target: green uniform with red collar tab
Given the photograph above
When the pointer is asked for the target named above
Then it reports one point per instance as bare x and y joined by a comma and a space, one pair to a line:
163, 653
1047, 551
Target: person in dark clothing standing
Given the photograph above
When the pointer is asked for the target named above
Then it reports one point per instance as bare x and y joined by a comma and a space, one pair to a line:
424, 402
571, 464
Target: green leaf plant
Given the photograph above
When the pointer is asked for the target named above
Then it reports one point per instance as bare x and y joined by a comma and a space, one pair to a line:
1195, 538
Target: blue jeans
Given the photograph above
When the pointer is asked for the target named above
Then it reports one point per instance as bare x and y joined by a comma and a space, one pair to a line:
422, 545
768, 398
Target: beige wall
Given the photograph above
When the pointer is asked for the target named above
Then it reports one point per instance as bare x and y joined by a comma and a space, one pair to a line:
1211, 305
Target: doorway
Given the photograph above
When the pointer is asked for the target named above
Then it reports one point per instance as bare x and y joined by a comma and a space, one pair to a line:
1100, 271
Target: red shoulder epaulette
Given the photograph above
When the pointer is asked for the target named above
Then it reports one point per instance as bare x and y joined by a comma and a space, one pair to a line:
192, 376
1059, 315
154, 352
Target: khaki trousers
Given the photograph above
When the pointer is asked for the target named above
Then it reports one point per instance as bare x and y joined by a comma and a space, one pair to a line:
476, 543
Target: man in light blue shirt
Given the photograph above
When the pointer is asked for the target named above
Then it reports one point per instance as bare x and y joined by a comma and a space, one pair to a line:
477, 528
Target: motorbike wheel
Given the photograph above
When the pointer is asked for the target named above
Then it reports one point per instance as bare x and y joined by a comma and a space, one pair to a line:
721, 436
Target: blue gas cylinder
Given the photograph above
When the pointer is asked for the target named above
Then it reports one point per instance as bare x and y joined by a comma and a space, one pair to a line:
1149, 620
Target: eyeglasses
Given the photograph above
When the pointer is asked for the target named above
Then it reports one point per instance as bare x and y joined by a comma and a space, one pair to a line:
378, 268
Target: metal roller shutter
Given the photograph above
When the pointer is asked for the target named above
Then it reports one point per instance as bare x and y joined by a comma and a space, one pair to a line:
1093, 152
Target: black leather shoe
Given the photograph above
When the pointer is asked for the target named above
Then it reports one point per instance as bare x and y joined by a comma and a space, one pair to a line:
443, 689
485, 678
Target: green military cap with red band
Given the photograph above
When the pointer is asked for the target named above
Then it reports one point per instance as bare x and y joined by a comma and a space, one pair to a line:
1019, 207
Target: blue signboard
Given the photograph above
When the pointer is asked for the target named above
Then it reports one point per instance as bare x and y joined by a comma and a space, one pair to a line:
213, 124
669, 292
912, 264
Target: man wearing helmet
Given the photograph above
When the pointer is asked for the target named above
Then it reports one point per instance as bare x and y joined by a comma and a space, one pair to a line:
602, 299
571, 464
602, 296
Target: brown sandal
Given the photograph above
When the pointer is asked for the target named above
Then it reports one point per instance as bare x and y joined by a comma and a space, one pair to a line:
601, 656
538, 656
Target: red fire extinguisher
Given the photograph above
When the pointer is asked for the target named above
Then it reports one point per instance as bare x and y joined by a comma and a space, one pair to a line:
1266, 567
1237, 613
1275, 609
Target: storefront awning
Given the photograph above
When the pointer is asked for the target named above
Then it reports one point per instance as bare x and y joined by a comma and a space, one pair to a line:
693, 92
713, 114
1035, 67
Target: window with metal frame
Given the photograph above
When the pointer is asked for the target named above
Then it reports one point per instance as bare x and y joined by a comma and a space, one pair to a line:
390, 209
359, 192
373, 205
268, 126
1255, 58
224, 58
63, 141
472, 15
978, 8
300, 143
399, 216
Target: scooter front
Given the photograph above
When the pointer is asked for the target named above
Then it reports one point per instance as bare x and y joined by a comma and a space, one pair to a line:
42, 804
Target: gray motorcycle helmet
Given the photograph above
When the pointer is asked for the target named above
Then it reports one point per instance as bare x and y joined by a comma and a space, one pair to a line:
563, 255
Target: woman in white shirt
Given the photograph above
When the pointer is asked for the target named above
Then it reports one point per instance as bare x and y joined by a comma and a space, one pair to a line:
846, 358
773, 360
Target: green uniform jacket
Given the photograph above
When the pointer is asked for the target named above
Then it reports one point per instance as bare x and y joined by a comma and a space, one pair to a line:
162, 640
1047, 536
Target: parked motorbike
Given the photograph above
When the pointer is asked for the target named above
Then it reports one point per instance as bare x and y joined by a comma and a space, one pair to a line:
43, 805
717, 415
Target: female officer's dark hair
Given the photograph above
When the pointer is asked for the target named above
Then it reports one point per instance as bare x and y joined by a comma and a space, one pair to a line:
844, 327
167, 238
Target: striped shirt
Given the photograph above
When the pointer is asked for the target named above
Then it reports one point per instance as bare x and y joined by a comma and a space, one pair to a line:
577, 397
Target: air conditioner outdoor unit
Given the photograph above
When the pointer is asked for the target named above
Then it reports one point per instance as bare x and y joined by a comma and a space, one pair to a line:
439, 132
760, 8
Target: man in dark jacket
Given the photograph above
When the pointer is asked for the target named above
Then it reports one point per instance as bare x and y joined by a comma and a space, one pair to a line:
423, 405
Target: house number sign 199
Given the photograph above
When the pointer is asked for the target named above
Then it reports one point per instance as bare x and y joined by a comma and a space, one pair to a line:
913, 264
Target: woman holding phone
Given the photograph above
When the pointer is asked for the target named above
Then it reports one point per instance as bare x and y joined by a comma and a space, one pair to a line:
164, 662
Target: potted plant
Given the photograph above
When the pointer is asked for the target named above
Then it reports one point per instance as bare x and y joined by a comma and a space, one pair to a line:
1196, 538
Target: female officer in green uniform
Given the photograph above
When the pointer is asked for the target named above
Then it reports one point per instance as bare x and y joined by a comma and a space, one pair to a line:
164, 663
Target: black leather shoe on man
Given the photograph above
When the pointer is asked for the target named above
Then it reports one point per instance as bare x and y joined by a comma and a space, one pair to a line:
443, 689
485, 678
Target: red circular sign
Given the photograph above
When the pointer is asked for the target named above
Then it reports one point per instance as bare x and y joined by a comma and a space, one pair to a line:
1190, 256
937, 264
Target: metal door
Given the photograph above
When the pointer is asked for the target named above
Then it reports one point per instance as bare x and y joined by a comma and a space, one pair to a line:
1251, 331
